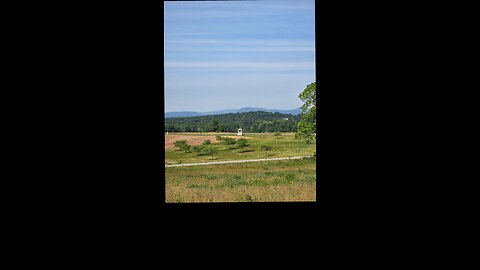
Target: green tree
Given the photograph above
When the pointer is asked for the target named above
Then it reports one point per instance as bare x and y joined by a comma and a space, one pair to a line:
214, 126
307, 127
182, 145
241, 143
229, 141
209, 151
198, 149
179, 143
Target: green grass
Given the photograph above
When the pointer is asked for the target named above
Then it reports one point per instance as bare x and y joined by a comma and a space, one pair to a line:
268, 181
282, 146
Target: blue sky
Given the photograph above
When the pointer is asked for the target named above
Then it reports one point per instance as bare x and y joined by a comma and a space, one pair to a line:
233, 54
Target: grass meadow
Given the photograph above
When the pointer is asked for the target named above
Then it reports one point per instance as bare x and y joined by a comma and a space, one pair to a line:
266, 181
283, 145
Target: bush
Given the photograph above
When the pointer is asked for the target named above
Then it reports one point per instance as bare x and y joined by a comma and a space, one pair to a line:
242, 143
229, 141
178, 143
206, 142
219, 138
186, 148
182, 145
198, 149
277, 134
289, 177
208, 151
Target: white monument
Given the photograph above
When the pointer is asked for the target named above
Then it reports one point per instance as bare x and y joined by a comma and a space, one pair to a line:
239, 133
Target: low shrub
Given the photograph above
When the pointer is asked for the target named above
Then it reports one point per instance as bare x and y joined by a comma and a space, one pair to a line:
229, 141
182, 145
290, 177
198, 149
241, 143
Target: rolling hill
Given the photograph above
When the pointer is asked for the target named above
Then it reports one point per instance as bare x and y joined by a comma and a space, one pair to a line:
241, 110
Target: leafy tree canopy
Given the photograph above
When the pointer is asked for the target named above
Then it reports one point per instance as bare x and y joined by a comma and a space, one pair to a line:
307, 127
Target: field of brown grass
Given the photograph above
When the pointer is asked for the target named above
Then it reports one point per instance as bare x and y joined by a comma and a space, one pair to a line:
194, 138
271, 181
191, 140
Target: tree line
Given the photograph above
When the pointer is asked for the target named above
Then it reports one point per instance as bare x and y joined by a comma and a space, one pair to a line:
254, 122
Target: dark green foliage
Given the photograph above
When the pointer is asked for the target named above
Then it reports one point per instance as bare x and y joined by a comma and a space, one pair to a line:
206, 142
209, 151
229, 141
178, 143
198, 149
241, 143
290, 176
250, 122
183, 146
219, 138
214, 126
307, 127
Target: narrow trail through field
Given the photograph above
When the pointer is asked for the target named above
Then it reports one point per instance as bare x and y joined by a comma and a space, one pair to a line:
234, 161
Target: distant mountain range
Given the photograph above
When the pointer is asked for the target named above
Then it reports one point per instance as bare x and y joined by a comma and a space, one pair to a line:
246, 109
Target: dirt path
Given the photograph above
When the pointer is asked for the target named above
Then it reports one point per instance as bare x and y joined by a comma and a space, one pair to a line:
233, 161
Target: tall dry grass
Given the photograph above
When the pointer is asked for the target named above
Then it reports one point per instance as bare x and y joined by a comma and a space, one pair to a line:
272, 181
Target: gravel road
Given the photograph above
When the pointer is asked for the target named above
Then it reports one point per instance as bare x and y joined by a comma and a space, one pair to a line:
232, 161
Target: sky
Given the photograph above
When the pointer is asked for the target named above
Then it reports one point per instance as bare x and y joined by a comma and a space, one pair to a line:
234, 54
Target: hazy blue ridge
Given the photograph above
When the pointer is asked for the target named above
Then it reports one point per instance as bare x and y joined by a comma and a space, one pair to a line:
245, 109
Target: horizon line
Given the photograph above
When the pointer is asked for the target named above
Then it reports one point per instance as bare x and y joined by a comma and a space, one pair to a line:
233, 109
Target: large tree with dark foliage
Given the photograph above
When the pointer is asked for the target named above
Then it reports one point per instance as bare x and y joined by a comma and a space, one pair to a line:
214, 125
307, 127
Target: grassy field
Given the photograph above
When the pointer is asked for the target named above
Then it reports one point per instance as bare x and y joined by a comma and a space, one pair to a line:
282, 146
269, 181
266, 181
